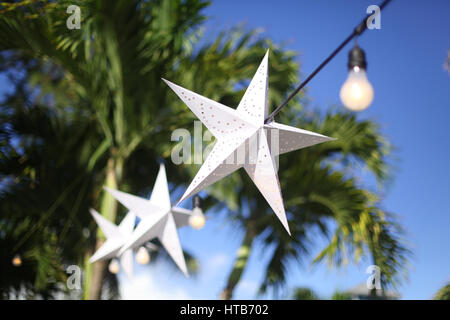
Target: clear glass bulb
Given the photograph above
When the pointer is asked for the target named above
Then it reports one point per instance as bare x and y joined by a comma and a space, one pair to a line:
114, 266
17, 261
357, 92
197, 220
142, 256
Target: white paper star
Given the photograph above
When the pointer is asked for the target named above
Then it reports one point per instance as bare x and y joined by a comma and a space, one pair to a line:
158, 219
244, 129
116, 237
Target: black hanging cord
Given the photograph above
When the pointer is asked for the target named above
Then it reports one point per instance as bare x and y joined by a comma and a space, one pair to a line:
360, 28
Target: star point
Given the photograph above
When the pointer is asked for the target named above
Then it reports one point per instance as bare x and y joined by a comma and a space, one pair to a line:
116, 236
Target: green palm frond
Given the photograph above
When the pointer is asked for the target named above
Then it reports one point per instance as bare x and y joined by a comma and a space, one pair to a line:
85, 98
443, 293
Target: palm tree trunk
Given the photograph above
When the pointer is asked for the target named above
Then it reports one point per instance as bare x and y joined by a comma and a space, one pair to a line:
240, 263
95, 273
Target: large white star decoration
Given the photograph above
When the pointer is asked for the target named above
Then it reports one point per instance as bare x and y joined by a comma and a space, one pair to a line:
244, 129
158, 219
116, 237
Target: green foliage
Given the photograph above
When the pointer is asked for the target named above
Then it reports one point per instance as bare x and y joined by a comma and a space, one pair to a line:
305, 294
443, 293
71, 111
329, 202
341, 295
85, 99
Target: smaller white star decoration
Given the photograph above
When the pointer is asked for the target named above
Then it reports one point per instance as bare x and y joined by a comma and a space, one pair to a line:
244, 140
158, 219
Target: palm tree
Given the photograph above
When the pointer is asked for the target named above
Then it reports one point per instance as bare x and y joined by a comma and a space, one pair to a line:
443, 293
302, 293
341, 295
322, 196
89, 110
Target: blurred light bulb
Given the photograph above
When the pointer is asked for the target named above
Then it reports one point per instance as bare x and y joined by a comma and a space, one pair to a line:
357, 92
197, 219
114, 266
17, 261
142, 256
86, 233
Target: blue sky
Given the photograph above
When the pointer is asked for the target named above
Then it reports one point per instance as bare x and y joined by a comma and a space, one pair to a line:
412, 105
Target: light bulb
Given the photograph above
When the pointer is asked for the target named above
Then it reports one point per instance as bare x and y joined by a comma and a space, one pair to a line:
197, 219
357, 92
114, 266
142, 256
17, 261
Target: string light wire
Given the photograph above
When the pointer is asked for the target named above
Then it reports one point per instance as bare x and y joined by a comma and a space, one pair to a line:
357, 31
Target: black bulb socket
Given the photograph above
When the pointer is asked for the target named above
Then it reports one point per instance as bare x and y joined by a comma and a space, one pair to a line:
357, 58
196, 202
